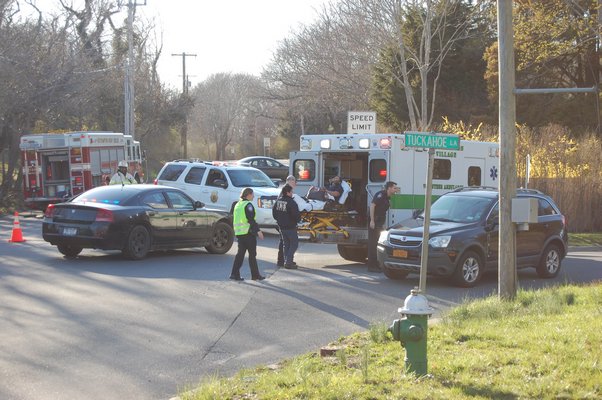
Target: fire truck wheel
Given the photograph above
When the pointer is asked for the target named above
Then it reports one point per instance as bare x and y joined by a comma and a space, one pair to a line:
138, 243
69, 251
222, 240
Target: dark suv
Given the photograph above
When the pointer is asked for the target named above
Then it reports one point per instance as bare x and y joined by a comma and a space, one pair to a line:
463, 238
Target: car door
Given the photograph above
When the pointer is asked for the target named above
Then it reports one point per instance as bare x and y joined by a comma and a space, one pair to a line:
492, 229
191, 224
530, 242
215, 190
161, 216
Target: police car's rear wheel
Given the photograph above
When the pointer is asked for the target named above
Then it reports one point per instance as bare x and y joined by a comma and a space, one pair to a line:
69, 251
222, 239
138, 243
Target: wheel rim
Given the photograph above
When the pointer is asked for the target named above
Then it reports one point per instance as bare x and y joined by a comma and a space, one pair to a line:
552, 261
470, 270
139, 242
220, 238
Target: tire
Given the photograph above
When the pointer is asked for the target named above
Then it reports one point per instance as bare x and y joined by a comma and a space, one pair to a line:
549, 265
353, 253
69, 251
138, 243
222, 239
393, 273
469, 270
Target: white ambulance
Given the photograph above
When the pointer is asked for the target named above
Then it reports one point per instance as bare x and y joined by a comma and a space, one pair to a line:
367, 161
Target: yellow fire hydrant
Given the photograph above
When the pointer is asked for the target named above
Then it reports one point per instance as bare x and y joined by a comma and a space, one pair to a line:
411, 331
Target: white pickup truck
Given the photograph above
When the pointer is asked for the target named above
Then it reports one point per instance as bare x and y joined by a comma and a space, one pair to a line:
219, 186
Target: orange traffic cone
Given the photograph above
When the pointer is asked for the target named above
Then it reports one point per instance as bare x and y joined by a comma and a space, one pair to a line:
17, 235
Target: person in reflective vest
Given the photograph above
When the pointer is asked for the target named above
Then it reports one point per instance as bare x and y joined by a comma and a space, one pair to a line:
122, 176
246, 231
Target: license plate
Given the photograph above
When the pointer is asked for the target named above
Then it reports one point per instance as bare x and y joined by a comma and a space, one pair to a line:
400, 253
69, 231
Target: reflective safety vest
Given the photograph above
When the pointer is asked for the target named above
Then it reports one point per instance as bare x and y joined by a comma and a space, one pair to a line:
241, 224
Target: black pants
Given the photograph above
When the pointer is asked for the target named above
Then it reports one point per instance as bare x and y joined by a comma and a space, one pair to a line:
246, 243
373, 235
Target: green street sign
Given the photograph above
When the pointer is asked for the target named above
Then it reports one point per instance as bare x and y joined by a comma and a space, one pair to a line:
432, 140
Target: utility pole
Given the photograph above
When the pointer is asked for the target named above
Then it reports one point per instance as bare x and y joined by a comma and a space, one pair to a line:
185, 101
184, 77
129, 92
507, 279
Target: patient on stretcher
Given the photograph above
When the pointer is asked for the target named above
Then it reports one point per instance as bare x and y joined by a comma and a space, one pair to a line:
320, 198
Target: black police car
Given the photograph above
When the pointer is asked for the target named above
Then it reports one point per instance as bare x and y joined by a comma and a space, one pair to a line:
463, 242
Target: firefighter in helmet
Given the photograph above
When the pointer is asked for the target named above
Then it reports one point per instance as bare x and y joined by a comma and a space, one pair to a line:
122, 176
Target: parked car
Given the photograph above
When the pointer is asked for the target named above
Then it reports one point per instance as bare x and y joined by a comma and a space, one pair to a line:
272, 168
463, 238
219, 185
135, 219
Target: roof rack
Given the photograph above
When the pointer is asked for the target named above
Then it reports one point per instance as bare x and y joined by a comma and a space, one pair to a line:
531, 191
467, 188
192, 160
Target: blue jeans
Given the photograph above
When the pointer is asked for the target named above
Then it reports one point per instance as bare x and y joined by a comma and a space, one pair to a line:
290, 244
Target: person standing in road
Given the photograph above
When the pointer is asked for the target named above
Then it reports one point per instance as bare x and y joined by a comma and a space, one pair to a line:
378, 215
122, 176
287, 216
246, 231
303, 205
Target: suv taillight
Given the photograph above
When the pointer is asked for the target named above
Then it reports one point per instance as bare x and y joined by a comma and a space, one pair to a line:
104, 216
49, 211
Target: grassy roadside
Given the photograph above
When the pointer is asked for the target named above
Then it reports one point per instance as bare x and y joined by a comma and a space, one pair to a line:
585, 239
544, 345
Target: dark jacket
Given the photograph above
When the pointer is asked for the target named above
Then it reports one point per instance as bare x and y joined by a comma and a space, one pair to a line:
286, 213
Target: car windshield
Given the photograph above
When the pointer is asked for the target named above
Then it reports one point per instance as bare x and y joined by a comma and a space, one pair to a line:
105, 194
461, 209
250, 178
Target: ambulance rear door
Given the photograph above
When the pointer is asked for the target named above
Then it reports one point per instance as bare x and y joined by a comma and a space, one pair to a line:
306, 167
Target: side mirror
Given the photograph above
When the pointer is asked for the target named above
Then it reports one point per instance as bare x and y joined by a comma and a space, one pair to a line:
198, 204
416, 213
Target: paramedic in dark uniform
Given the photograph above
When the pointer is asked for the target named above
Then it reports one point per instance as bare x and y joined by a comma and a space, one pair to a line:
286, 213
378, 215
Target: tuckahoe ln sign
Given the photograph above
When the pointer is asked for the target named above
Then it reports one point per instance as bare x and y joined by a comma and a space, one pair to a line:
428, 140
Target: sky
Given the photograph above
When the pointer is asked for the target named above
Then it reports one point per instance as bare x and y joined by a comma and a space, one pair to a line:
226, 35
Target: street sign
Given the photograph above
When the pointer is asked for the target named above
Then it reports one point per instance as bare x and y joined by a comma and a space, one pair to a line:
361, 122
427, 140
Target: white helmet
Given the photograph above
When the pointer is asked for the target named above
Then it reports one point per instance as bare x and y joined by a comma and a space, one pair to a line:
122, 164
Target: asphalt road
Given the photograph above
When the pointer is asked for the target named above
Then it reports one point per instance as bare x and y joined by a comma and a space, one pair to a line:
103, 327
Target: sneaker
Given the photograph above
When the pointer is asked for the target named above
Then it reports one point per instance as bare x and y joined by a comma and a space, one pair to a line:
290, 266
237, 278
280, 264
258, 278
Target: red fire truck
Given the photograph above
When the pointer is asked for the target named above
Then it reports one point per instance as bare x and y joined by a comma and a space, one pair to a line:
59, 165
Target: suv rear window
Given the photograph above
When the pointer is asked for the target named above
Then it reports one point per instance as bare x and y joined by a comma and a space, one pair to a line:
172, 172
195, 175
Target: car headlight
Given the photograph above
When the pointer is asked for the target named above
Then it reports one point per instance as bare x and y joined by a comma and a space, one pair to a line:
384, 236
440, 241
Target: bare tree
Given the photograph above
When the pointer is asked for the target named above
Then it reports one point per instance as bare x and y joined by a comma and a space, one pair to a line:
222, 103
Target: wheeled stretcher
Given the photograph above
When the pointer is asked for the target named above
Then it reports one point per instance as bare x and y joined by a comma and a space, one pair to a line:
327, 218
325, 222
